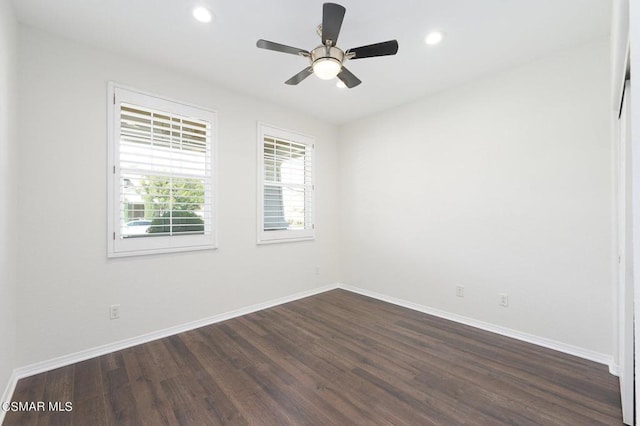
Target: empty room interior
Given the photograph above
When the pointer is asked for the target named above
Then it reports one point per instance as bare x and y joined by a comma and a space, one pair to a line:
287, 212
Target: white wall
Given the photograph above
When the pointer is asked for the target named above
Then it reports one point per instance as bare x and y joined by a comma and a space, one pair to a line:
66, 282
502, 185
8, 141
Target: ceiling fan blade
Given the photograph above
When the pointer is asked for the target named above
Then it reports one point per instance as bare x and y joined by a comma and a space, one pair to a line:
269, 45
332, 16
348, 79
300, 76
379, 49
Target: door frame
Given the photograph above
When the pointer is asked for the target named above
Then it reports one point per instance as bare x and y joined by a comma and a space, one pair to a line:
625, 238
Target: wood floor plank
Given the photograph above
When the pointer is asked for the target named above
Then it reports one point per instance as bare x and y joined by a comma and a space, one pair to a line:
338, 379
307, 382
218, 403
120, 403
29, 389
87, 380
254, 405
57, 392
144, 380
333, 358
89, 411
488, 359
514, 380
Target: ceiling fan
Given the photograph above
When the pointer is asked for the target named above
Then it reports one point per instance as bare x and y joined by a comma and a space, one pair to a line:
326, 60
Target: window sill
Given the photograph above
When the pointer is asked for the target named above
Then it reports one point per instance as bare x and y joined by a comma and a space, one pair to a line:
134, 253
285, 240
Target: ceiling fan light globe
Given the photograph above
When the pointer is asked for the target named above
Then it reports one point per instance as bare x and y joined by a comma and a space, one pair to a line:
326, 68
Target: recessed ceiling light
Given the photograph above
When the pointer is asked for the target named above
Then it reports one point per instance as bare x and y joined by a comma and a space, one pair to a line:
202, 14
434, 38
340, 84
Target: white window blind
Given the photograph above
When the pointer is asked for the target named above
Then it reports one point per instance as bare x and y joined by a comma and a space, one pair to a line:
286, 185
162, 181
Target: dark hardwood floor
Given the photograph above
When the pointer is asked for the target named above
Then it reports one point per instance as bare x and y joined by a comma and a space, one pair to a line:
335, 358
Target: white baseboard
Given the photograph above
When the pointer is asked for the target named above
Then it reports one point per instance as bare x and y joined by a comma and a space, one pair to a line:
65, 360
614, 368
530, 338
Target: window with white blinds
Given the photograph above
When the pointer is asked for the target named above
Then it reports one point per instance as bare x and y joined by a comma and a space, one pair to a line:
286, 188
161, 177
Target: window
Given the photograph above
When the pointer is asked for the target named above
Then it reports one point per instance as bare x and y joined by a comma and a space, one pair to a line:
161, 186
285, 185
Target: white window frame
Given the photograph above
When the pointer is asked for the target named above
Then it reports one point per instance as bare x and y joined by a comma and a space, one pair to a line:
288, 235
121, 247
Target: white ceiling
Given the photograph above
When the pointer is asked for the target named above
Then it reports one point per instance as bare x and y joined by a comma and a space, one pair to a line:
482, 36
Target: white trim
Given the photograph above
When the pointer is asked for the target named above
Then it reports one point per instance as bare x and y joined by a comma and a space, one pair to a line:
284, 240
116, 94
289, 235
504, 331
614, 369
623, 233
8, 393
65, 360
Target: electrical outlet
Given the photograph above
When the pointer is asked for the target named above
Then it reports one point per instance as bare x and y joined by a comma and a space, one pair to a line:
460, 291
504, 300
317, 270
114, 312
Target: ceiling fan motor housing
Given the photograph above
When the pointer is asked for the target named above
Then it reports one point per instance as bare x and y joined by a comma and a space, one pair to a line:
326, 61
326, 52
